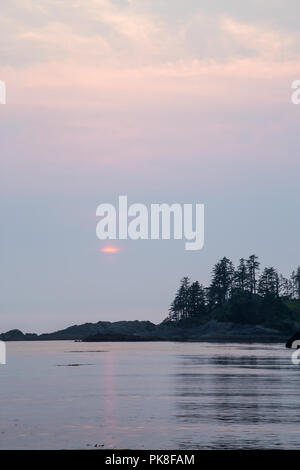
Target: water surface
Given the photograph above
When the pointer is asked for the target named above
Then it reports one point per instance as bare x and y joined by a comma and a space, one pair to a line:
66, 395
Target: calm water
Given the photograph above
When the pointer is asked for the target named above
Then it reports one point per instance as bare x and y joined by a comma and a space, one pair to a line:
148, 395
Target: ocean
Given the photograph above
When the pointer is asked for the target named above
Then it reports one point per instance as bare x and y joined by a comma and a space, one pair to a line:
160, 395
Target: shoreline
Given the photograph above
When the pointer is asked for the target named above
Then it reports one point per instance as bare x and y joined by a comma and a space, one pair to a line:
145, 331
208, 339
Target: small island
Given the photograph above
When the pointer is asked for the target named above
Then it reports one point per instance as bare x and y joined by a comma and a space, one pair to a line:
239, 305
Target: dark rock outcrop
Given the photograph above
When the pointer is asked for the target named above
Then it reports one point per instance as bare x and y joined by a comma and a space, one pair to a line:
17, 335
212, 330
295, 337
102, 328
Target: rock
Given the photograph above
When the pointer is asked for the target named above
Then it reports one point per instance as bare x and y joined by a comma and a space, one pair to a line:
17, 335
212, 330
295, 337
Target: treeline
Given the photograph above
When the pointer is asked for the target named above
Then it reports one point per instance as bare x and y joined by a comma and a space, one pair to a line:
239, 294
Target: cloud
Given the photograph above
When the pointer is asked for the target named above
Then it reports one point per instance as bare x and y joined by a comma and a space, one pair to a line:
97, 76
131, 34
92, 30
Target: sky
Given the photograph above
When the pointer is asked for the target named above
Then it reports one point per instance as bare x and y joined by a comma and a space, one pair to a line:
162, 101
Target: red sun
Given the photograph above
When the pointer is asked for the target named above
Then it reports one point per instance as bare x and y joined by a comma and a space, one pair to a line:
110, 249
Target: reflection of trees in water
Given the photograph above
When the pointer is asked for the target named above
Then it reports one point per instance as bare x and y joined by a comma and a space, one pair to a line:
225, 399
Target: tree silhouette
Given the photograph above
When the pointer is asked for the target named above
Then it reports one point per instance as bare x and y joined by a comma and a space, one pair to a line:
238, 294
222, 280
252, 268
269, 283
179, 307
196, 301
296, 283
241, 276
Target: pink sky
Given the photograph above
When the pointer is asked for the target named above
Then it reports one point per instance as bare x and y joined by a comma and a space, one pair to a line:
162, 103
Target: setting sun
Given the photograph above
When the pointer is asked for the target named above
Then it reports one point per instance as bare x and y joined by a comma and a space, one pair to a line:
110, 249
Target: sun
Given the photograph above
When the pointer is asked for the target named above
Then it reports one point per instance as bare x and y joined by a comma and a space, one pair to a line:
110, 249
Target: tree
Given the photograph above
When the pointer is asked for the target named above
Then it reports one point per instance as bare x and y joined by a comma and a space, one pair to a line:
222, 281
241, 276
240, 296
196, 301
268, 285
252, 268
179, 307
285, 287
295, 279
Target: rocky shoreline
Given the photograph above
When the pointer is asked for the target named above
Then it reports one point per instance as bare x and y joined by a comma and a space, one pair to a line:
146, 331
